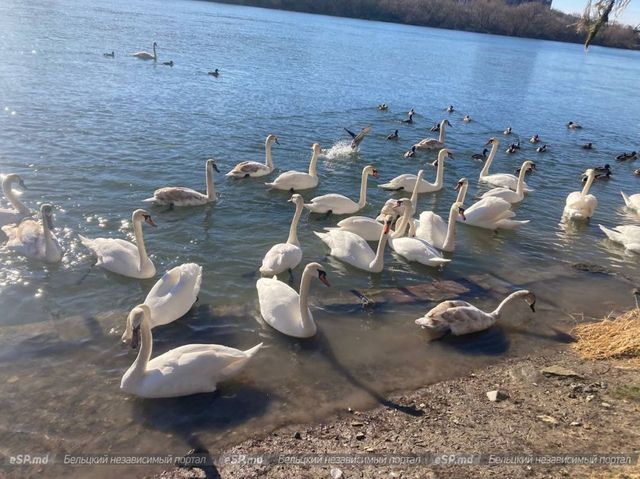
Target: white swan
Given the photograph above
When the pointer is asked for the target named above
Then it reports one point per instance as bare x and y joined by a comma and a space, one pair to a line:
285, 256
632, 201
504, 180
33, 239
433, 229
12, 215
146, 55
122, 257
369, 228
414, 249
408, 181
181, 196
508, 195
627, 235
285, 310
253, 168
432, 143
354, 250
298, 180
172, 296
580, 205
340, 204
190, 369
460, 317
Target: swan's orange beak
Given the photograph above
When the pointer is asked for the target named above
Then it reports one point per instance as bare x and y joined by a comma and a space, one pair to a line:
322, 276
387, 225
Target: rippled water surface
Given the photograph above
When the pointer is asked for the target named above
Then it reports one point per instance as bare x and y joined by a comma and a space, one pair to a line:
94, 136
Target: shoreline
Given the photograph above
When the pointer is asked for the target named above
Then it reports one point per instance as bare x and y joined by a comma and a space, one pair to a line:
587, 408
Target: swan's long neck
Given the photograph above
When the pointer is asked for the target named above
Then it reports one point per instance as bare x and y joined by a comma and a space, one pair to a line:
520, 186
7, 189
267, 148
305, 283
142, 251
402, 223
293, 229
154, 52
48, 239
312, 164
211, 188
498, 311
587, 185
414, 193
139, 366
440, 170
462, 193
363, 190
451, 228
376, 264
487, 164
442, 133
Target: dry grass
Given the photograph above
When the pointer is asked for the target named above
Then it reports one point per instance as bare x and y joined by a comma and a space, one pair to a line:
617, 338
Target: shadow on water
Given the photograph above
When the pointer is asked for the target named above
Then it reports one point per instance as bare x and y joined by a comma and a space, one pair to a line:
490, 342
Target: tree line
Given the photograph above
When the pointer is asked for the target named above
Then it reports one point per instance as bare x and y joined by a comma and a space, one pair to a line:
531, 19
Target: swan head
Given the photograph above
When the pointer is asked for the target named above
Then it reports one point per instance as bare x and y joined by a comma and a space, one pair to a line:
388, 219
142, 215
296, 199
419, 175
530, 299
590, 173
13, 178
211, 164
136, 317
529, 165
461, 182
46, 210
322, 274
446, 122
371, 170
457, 207
316, 148
492, 141
154, 44
271, 139
441, 155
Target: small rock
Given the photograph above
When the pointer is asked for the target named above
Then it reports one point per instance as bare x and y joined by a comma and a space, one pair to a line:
605, 404
557, 370
356, 424
576, 423
360, 436
497, 395
422, 405
297, 435
548, 419
336, 473
590, 397
350, 410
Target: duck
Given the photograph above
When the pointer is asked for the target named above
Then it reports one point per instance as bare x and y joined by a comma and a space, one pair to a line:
123, 257
587, 146
509, 195
186, 370
637, 172
508, 131
370, 229
534, 139
580, 205
182, 196
450, 109
459, 317
627, 156
393, 136
352, 249
627, 235
414, 250
214, 73
504, 180
602, 169
285, 256
169, 63
254, 169
33, 239
142, 55
358, 137
407, 181
466, 119
573, 126
511, 149
339, 204
436, 231
542, 149
171, 297
431, 143
293, 180
109, 55
599, 176
383, 107
285, 310
435, 128
409, 119
632, 201
18, 211
480, 156
411, 152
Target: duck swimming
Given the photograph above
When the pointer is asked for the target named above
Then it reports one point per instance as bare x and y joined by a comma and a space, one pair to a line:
169, 63
542, 149
214, 73
573, 126
410, 119
435, 128
393, 136
587, 146
109, 55
357, 138
480, 156
411, 153
466, 119
450, 109
383, 107
534, 139
507, 131
627, 156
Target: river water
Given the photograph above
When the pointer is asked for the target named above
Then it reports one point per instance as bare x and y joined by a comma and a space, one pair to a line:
94, 136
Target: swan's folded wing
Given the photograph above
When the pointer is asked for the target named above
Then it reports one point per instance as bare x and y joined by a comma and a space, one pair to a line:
466, 319
345, 244
113, 250
278, 301
175, 194
280, 257
489, 209
432, 228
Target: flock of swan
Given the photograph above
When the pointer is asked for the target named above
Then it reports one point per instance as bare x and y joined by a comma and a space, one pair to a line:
199, 368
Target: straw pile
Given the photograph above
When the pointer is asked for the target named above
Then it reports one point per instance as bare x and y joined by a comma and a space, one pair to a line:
617, 338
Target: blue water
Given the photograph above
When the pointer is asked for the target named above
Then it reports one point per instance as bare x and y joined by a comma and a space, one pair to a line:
94, 136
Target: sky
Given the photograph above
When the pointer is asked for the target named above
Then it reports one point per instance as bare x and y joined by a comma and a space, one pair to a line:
630, 15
